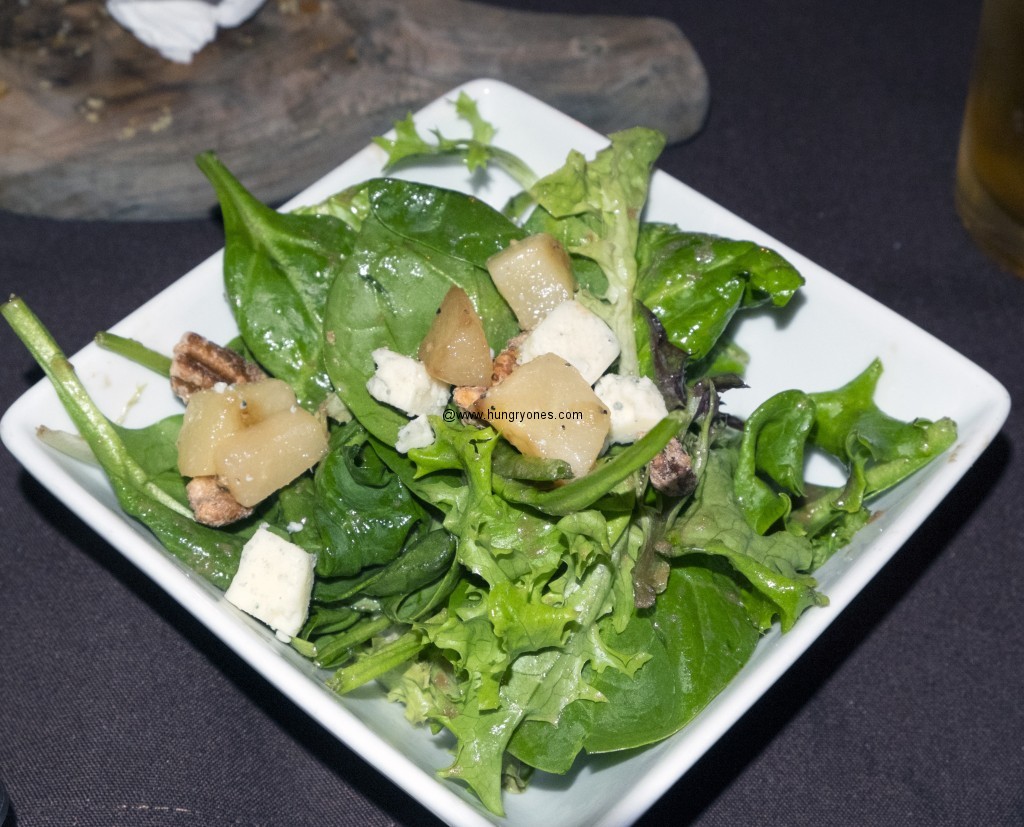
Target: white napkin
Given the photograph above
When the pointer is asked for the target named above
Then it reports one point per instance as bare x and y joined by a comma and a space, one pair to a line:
180, 28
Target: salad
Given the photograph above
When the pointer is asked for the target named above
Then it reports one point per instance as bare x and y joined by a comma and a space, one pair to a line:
525, 567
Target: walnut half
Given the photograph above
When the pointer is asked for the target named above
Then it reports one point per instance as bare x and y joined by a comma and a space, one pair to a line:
672, 471
465, 396
212, 504
199, 364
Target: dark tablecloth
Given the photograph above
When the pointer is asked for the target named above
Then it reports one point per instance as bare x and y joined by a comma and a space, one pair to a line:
833, 127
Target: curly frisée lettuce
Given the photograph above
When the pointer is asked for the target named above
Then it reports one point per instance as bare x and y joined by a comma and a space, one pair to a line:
532, 613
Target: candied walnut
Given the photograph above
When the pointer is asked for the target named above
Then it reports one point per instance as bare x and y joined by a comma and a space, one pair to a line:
465, 396
506, 361
199, 364
213, 504
672, 471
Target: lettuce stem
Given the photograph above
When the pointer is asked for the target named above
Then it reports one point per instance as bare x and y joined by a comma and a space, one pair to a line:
380, 661
134, 351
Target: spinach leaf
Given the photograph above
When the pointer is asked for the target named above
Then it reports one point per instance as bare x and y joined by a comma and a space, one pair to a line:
415, 243
725, 357
155, 447
364, 513
278, 268
211, 554
350, 206
325, 620
773, 445
424, 600
695, 283
878, 451
292, 511
881, 449
409, 588
420, 564
697, 636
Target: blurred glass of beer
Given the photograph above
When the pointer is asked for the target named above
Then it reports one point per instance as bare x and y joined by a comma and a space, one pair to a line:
990, 165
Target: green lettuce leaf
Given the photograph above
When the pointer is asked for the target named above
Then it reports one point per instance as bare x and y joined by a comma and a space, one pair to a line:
477, 151
597, 205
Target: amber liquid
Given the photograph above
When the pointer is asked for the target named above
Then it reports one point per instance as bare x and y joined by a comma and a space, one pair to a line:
990, 166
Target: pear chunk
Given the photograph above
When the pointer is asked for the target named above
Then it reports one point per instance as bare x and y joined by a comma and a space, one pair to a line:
254, 437
534, 276
455, 349
210, 416
256, 461
546, 409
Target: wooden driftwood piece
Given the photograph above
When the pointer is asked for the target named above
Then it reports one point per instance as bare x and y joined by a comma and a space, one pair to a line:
93, 124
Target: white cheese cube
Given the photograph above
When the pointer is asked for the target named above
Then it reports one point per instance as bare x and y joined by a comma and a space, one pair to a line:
578, 335
417, 434
404, 383
634, 403
273, 583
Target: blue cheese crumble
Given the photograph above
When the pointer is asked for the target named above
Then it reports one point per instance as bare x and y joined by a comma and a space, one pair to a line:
578, 335
273, 583
635, 405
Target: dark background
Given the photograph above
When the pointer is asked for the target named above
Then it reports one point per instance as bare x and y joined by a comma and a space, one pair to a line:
834, 128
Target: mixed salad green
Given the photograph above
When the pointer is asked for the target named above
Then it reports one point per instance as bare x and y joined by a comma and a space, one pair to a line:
534, 617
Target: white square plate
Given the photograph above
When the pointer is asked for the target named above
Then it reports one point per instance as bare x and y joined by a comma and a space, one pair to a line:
828, 337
